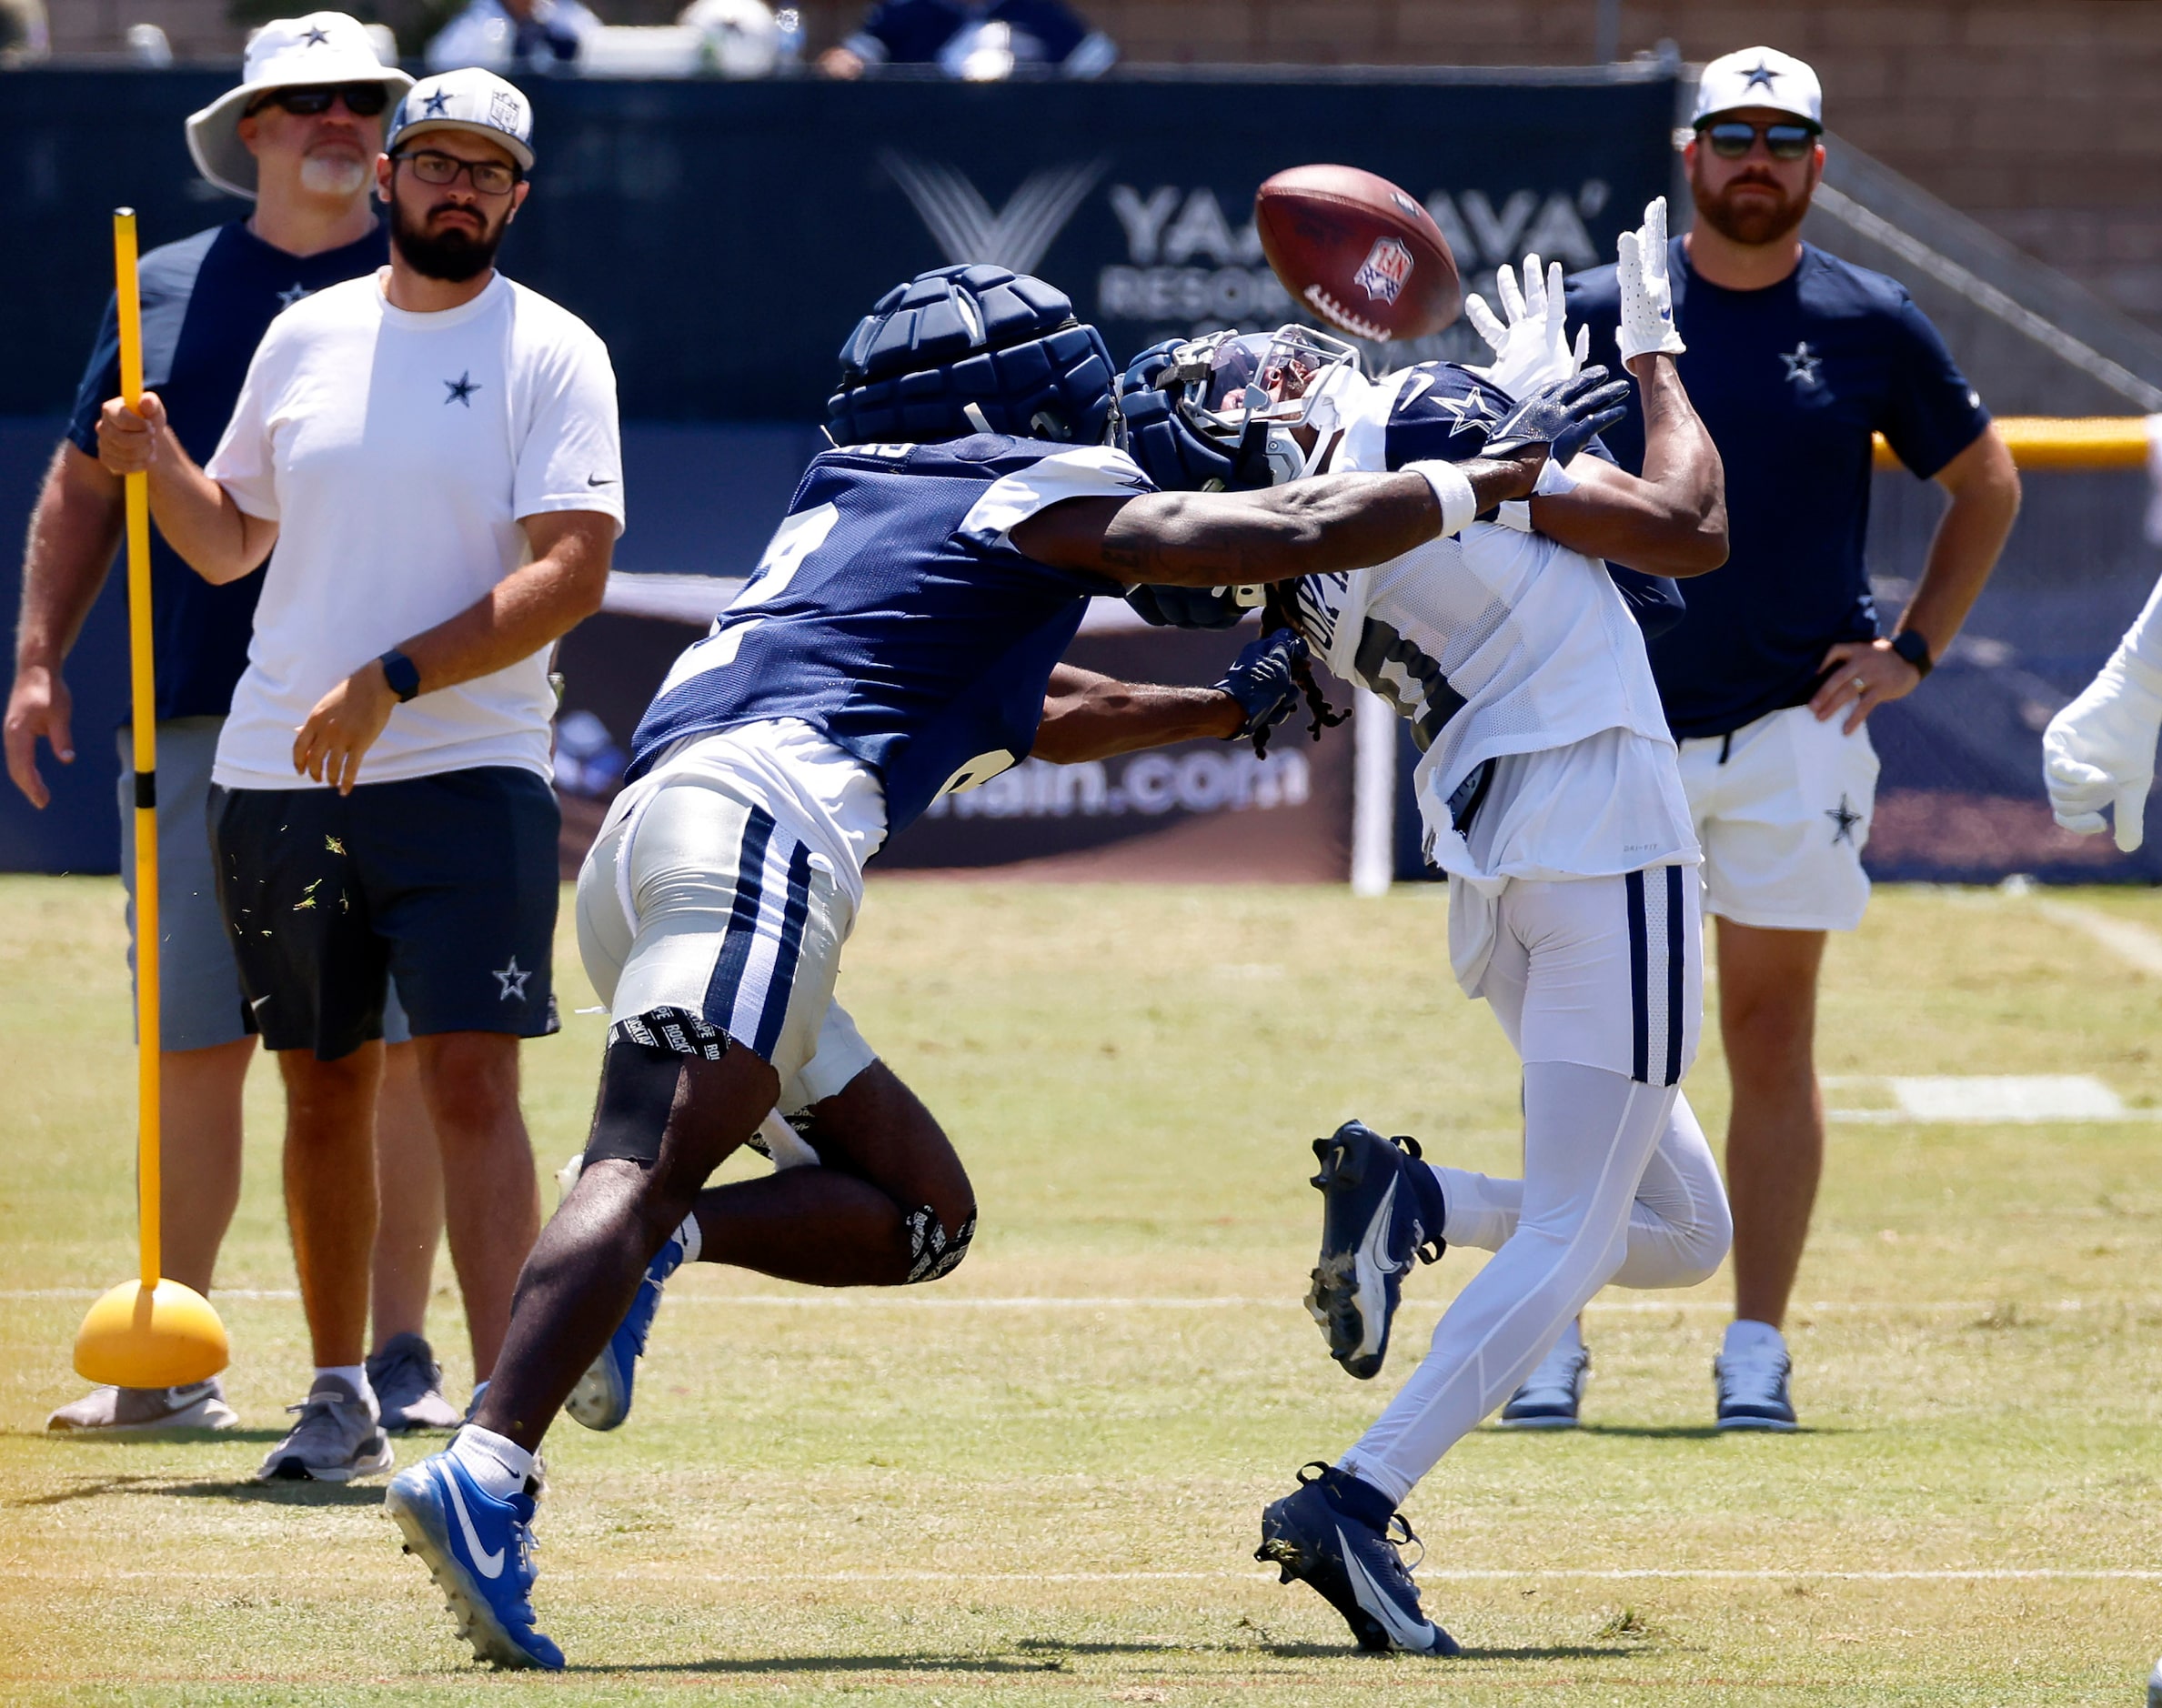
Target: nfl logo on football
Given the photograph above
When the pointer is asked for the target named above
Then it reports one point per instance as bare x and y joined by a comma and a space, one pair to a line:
1381, 274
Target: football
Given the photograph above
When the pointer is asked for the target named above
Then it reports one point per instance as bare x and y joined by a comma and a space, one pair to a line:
1360, 254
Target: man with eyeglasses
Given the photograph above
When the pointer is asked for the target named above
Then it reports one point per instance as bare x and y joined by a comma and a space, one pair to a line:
428, 458
1796, 358
298, 138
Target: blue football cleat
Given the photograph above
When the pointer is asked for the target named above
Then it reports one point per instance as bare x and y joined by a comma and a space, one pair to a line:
480, 1551
1335, 1533
1380, 1207
601, 1400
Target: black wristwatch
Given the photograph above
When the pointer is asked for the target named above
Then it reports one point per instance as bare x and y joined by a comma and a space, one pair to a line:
403, 674
1909, 645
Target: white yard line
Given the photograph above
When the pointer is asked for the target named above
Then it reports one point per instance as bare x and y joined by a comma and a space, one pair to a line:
1624, 1574
2131, 943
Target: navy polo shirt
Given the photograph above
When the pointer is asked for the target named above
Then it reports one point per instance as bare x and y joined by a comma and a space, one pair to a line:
1791, 381
207, 302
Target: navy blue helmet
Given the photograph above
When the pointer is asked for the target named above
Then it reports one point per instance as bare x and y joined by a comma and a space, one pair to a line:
973, 349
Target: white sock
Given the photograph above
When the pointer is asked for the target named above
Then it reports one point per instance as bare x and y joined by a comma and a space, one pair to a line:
498, 1465
354, 1376
693, 1241
1745, 1339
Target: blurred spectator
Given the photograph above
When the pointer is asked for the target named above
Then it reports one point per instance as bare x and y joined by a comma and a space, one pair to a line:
981, 40
504, 36
23, 33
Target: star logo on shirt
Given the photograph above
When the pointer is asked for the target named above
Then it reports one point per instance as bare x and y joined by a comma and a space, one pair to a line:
1762, 74
513, 979
1471, 411
315, 38
433, 106
292, 293
1844, 819
1802, 363
461, 389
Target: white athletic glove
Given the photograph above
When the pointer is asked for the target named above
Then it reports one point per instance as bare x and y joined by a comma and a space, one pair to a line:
1532, 351
1647, 326
2099, 752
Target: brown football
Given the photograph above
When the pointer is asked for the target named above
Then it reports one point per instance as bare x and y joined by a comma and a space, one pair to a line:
1364, 256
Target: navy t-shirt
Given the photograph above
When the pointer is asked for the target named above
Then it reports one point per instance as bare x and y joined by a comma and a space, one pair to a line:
207, 302
1791, 382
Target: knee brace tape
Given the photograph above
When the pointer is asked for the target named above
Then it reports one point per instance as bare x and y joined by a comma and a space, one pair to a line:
932, 1252
639, 1076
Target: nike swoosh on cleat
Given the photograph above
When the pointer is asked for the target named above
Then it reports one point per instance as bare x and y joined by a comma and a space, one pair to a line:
1372, 1248
489, 1564
1418, 1638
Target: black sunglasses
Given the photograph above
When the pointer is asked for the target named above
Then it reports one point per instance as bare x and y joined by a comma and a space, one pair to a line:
1733, 138
363, 100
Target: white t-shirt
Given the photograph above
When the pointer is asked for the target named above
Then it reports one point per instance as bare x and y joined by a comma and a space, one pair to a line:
396, 453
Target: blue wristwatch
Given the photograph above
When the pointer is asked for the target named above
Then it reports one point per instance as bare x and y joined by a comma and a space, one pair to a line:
401, 673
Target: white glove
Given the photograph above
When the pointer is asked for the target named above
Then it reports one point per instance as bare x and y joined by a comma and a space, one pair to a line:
2099, 752
1647, 326
1531, 352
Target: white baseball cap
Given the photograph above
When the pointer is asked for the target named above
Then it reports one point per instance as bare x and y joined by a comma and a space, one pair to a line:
1759, 76
470, 99
322, 47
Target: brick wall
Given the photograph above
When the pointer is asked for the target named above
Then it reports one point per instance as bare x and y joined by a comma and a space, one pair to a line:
2037, 117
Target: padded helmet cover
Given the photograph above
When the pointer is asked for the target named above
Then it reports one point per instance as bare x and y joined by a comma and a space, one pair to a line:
978, 335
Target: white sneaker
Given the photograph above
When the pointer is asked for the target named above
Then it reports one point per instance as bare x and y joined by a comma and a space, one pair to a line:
1752, 1389
199, 1405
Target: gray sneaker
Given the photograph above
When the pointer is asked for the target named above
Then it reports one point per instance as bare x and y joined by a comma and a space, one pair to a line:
200, 1405
409, 1385
339, 1438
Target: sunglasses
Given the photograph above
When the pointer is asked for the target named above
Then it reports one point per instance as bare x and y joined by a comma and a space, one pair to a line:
1731, 139
490, 177
363, 100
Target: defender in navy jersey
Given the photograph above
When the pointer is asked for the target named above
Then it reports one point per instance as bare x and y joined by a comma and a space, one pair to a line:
1795, 359
898, 642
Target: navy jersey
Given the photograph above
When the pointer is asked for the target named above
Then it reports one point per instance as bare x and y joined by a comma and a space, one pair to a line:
1443, 413
892, 614
1791, 381
207, 302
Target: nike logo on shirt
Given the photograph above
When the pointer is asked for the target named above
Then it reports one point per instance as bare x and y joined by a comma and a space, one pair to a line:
490, 1565
601, 480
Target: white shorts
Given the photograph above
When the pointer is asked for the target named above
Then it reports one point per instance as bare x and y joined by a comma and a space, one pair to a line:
694, 900
1782, 808
1605, 973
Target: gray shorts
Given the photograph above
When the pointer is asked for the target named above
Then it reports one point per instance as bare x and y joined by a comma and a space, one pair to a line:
198, 980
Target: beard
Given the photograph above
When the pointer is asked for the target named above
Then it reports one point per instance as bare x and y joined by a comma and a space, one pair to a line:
1756, 220
453, 254
333, 172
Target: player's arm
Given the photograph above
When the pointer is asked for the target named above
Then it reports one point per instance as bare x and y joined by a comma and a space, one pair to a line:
73, 533
217, 538
1091, 716
1670, 521
529, 608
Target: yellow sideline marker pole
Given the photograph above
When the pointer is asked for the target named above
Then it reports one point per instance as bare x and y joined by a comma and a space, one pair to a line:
2084, 442
150, 1333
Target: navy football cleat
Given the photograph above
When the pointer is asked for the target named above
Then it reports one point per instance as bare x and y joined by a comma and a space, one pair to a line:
480, 1551
1380, 1207
1335, 1533
601, 1400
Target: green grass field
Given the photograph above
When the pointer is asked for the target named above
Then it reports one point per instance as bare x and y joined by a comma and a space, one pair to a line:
1039, 1480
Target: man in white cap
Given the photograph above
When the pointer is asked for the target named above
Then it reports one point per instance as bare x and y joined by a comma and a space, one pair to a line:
1794, 359
428, 457
298, 139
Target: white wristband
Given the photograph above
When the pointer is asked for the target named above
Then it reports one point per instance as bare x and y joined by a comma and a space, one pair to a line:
1451, 490
1554, 480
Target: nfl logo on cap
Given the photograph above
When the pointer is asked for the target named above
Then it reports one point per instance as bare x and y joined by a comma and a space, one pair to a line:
470, 100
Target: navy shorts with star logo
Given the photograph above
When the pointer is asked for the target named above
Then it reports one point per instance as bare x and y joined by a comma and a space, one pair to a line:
448, 884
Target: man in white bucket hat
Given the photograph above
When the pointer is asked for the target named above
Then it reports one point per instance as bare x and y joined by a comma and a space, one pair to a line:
298, 137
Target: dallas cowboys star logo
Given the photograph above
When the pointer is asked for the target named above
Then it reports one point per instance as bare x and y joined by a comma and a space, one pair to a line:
293, 294
1762, 74
433, 106
461, 389
1802, 363
1471, 411
315, 38
1844, 819
512, 980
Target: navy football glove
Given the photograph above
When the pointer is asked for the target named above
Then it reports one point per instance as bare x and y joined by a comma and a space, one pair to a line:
1186, 608
1268, 680
1564, 417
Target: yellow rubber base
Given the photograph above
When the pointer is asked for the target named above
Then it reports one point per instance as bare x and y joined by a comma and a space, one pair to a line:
137, 1338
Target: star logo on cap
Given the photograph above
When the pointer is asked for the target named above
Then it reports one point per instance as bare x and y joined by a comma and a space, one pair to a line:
461, 389
1802, 364
292, 293
315, 38
433, 106
513, 977
1761, 73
